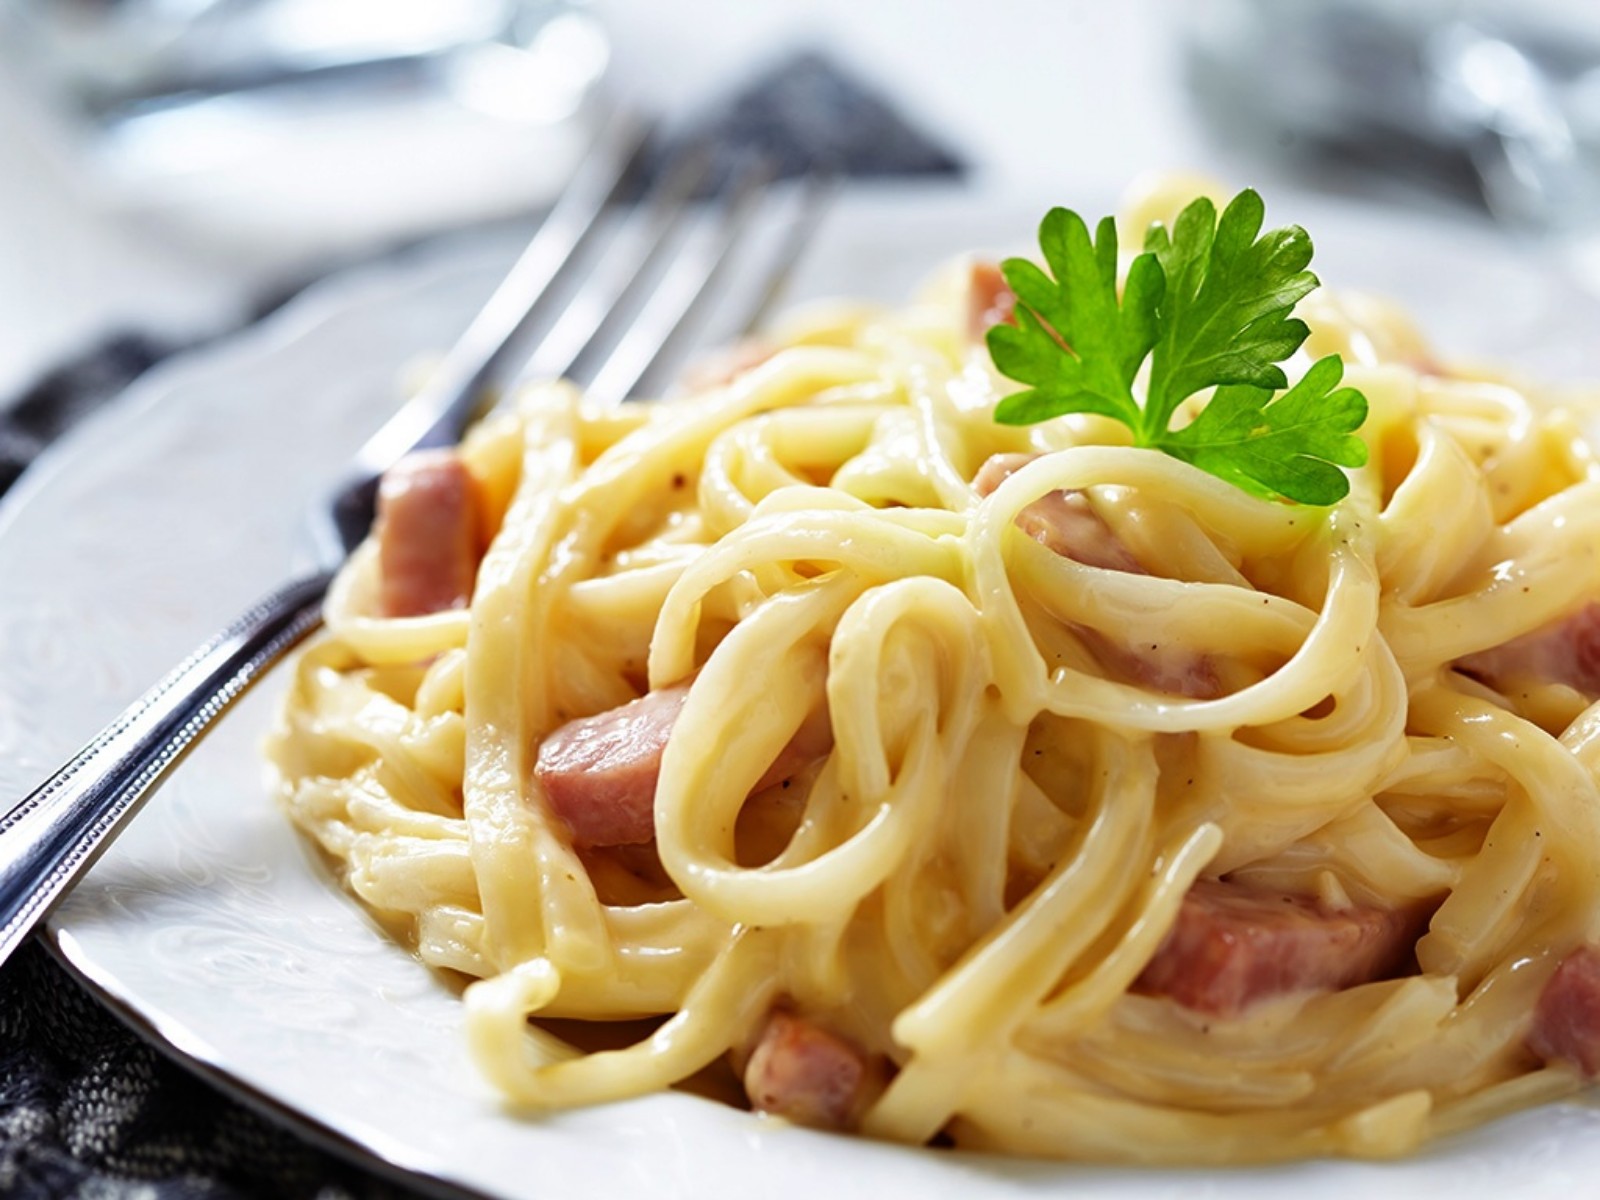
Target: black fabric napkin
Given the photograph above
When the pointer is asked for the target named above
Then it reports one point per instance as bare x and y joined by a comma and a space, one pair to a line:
87, 1109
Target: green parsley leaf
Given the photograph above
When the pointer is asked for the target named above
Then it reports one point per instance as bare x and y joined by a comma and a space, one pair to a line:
1209, 306
1226, 316
1279, 447
1081, 346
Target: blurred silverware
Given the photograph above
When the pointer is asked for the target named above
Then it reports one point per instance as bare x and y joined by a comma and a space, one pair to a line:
1497, 99
277, 134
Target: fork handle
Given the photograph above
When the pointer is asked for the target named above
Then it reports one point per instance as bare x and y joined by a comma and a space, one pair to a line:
50, 838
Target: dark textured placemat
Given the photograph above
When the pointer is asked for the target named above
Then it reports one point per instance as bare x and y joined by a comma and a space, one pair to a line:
86, 1108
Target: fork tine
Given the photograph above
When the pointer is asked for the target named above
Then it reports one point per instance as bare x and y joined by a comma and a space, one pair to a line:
522, 300
612, 293
684, 292
816, 192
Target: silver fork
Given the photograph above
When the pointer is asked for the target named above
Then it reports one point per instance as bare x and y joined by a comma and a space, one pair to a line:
621, 323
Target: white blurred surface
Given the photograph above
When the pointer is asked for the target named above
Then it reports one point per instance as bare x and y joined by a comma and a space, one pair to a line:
1045, 98
1037, 94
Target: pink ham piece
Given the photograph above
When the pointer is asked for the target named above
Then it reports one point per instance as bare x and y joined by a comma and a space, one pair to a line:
600, 772
429, 540
1174, 671
990, 300
1233, 945
1564, 651
1061, 521
1066, 523
1566, 1021
801, 1072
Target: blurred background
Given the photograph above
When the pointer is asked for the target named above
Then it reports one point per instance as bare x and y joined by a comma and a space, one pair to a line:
170, 167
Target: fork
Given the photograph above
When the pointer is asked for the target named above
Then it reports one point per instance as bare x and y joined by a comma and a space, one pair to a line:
615, 327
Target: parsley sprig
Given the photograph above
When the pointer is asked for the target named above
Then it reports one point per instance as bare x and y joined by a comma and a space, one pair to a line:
1208, 305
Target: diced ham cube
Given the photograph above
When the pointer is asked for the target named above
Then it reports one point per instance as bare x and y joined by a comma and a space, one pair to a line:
1233, 945
1564, 651
1062, 521
1566, 1021
1067, 523
429, 540
990, 300
800, 1071
810, 742
1170, 669
600, 772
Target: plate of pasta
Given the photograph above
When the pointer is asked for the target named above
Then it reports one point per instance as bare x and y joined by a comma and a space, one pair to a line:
810, 781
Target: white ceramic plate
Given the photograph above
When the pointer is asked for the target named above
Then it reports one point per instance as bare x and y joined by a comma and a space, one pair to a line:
211, 926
